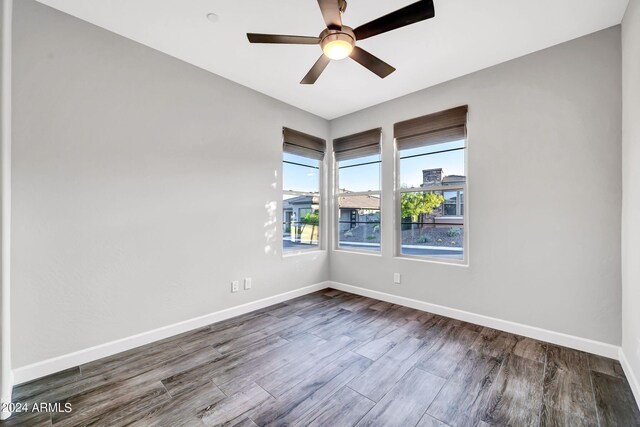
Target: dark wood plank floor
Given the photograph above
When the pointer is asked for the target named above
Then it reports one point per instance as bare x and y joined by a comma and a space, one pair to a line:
337, 359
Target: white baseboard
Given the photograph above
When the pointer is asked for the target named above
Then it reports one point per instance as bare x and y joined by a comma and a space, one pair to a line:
582, 344
60, 363
5, 397
631, 377
5, 401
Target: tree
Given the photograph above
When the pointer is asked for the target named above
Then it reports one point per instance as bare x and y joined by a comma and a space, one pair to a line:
309, 229
412, 205
311, 218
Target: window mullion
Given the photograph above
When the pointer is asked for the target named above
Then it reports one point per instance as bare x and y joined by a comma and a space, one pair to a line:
359, 193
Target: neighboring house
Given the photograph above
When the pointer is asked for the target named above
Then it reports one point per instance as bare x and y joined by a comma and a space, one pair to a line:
363, 209
451, 212
293, 212
360, 209
354, 210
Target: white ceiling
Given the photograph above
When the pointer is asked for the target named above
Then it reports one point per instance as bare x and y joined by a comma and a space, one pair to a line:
465, 36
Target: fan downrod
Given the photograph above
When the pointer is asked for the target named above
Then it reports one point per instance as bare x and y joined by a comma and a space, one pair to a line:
343, 6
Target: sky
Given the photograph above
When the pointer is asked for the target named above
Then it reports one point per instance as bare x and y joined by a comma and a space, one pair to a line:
367, 177
300, 178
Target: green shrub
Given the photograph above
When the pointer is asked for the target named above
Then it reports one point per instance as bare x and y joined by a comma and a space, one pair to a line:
371, 237
454, 232
424, 239
311, 218
376, 228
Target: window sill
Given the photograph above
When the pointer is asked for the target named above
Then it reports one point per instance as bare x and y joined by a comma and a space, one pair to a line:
430, 260
361, 252
307, 252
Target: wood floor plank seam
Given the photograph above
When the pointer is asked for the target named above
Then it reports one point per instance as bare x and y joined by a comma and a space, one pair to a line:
318, 404
440, 421
418, 367
165, 389
493, 385
364, 397
344, 407
544, 371
593, 390
356, 391
266, 391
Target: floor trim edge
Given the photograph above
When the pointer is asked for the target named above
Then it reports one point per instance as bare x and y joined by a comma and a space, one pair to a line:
631, 377
559, 338
60, 363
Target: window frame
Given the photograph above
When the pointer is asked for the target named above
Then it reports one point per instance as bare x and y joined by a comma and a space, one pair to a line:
458, 204
336, 208
320, 246
397, 194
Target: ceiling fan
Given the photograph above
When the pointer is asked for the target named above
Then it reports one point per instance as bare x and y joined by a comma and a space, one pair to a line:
339, 41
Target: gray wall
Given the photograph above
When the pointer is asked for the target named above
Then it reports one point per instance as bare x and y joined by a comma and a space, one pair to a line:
631, 186
142, 186
140, 190
544, 195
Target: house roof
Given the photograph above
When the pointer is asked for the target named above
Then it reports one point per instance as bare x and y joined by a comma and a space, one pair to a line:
359, 202
302, 200
454, 178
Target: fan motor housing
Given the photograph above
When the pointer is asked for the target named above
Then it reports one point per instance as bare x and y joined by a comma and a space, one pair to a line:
345, 34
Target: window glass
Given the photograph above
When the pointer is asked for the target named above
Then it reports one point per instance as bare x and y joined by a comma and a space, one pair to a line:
412, 169
358, 204
432, 183
300, 203
450, 203
300, 174
359, 222
361, 174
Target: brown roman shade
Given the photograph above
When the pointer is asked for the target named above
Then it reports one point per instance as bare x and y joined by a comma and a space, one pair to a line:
445, 126
301, 144
361, 144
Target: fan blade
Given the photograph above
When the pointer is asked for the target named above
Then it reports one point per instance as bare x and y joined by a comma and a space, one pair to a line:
316, 70
408, 15
331, 13
281, 39
372, 63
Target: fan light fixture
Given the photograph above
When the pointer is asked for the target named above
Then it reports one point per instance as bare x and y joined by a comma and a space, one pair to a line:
337, 46
338, 41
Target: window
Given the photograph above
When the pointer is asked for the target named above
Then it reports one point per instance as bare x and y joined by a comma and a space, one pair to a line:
358, 191
453, 203
432, 184
301, 196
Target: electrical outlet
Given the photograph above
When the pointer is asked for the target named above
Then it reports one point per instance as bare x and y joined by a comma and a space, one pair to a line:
396, 278
247, 283
235, 286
